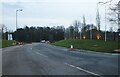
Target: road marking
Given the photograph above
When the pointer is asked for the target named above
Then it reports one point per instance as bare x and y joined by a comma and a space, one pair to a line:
82, 69
116, 54
41, 54
107, 53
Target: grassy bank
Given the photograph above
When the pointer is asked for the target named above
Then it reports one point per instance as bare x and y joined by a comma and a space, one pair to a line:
7, 43
94, 45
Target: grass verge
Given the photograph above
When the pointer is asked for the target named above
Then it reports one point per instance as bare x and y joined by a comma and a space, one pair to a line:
93, 45
7, 43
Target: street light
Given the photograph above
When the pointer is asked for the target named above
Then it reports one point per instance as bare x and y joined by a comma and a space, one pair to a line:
105, 16
118, 20
16, 17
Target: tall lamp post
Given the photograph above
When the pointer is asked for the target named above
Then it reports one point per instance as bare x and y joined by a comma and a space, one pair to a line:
119, 21
17, 16
16, 23
105, 16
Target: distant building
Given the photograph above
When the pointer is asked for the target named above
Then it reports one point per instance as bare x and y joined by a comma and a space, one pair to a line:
10, 37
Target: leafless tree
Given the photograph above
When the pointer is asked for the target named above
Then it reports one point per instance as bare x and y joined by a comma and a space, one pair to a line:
98, 20
114, 15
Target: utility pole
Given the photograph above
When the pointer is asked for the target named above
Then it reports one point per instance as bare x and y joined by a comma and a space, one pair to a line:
16, 23
119, 21
17, 17
105, 17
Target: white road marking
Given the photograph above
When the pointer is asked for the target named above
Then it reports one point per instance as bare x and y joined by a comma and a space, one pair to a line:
107, 53
82, 69
41, 54
116, 54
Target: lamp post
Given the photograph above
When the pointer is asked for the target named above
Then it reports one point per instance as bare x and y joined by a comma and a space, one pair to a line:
17, 16
105, 16
16, 23
119, 21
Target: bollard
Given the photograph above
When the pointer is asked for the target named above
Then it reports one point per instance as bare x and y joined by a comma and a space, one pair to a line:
71, 48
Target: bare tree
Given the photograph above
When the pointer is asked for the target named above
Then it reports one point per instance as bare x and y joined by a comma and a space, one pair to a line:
114, 15
98, 20
76, 28
84, 22
2, 28
71, 32
80, 28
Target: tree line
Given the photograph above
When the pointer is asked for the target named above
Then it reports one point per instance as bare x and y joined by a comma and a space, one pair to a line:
77, 30
36, 34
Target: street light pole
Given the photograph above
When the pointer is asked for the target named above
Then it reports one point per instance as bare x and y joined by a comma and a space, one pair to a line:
105, 26
105, 16
17, 17
16, 23
118, 22
16, 20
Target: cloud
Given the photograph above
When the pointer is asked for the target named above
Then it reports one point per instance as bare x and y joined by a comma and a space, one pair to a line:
50, 12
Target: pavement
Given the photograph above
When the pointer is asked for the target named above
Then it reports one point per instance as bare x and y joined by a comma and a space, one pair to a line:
45, 59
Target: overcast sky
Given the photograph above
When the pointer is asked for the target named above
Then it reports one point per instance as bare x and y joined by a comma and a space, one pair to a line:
50, 12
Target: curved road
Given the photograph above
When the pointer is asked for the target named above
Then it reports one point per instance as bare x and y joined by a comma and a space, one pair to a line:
45, 59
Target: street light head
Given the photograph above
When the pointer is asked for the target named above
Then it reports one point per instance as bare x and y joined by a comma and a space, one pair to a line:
101, 3
104, 2
21, 9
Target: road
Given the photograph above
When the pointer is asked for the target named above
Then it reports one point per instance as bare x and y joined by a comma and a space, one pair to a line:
45, 59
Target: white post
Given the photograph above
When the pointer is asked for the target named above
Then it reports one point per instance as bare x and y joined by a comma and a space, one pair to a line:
105, 25
71, 46
16, 20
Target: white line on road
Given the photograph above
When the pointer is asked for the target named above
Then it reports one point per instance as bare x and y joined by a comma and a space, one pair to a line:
82, 69
41, 54
116, 54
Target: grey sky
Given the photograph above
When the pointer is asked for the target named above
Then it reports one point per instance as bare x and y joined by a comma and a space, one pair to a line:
50, 12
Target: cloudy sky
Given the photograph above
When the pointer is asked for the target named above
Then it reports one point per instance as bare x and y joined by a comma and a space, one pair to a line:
50, 12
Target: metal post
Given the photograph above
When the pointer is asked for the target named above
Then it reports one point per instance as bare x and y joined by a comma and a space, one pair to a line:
16, 17
16, 20
105, 25
105, 17
80, 34
118, 22
16, 23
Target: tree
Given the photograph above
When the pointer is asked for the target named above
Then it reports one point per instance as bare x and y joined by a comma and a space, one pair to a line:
76, 28
3, 28
72, 32
114, 15
98, 20
33, 34
80, 29
84, 22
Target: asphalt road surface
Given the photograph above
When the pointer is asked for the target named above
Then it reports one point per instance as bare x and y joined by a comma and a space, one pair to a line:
45, 59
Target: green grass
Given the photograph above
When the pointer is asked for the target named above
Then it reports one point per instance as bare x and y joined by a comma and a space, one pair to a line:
94, 45
7, 43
